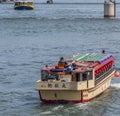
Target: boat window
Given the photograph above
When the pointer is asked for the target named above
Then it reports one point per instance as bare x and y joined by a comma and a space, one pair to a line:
90, 75
77, 76
73, 77
84, 76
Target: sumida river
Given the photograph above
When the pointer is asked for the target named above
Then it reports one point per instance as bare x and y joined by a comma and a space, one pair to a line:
31, 39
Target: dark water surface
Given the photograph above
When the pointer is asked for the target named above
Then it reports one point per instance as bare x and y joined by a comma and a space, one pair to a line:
31, 39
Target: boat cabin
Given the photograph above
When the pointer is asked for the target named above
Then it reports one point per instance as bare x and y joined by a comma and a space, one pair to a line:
86, 72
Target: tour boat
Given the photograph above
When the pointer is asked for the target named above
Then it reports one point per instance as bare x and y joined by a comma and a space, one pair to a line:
76, 79
23, 5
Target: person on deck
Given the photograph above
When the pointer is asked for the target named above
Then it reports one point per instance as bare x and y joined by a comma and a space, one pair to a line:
103, 52
62, 63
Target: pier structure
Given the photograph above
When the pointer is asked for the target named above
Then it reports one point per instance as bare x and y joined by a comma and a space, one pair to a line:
109, 8
49, 1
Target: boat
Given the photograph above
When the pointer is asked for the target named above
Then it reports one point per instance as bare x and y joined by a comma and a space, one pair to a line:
76, 79
23, 5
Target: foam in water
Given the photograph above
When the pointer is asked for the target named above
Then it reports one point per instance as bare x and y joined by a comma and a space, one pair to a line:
116, 85
46, 112
58, 107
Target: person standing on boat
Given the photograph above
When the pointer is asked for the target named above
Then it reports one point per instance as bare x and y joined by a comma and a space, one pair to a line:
62, 63
103, 52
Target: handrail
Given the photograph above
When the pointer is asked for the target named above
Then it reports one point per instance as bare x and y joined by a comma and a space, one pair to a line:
101, 77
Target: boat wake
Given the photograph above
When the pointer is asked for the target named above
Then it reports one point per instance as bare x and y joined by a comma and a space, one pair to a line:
82, 105
46, 113
58, 107
116, 85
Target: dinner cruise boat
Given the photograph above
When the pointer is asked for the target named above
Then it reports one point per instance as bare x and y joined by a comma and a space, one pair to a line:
76, 79
23, 5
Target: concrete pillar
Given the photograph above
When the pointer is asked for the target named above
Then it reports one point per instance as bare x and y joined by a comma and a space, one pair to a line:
49, 1
109, 8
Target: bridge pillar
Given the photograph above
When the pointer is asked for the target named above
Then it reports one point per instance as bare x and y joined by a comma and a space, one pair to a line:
109, 8
49, 1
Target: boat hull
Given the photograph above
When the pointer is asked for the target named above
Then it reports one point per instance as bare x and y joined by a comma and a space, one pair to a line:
74, 96
24, 8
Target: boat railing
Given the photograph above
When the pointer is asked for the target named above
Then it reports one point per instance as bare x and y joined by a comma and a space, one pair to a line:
104, 75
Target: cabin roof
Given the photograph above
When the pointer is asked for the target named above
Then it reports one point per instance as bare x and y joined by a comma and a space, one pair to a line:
84, 62
91, 57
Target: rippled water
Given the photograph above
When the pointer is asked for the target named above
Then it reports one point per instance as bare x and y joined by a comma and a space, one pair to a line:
31, 39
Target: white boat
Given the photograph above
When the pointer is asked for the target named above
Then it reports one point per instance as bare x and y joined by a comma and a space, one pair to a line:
79, 78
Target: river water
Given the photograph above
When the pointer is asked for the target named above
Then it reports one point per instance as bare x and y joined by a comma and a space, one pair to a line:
31, 39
